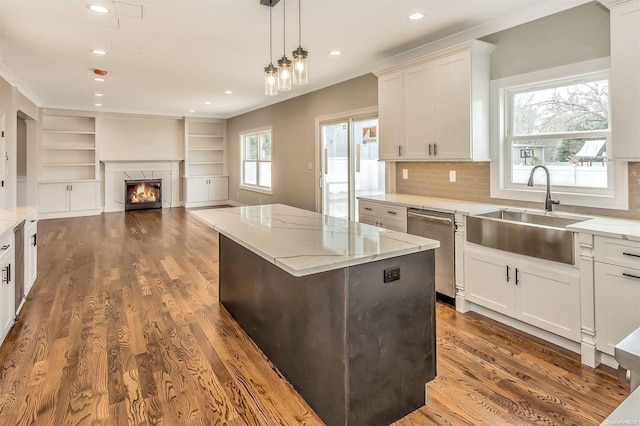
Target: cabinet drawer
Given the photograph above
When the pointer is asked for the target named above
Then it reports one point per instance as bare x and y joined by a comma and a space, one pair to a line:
367, 208
6, 243
394, 225
617, 252
395, 213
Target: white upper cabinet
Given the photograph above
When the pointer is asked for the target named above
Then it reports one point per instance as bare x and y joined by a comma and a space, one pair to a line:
625, 78
437, 107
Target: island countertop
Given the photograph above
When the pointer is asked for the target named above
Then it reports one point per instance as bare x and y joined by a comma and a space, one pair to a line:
302, 242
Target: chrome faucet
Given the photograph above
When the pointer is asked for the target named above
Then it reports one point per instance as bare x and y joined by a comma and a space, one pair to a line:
548, 202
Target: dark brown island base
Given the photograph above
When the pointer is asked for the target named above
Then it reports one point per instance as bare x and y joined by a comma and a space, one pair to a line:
358, 349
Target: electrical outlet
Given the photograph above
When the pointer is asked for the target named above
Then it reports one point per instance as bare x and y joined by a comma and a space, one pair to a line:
309, 166
452, 175
391, 274
405, 174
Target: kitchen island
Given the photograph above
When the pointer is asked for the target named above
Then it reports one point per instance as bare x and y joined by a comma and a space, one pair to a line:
346, 311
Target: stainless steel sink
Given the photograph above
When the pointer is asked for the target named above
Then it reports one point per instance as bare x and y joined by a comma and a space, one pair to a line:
540, 235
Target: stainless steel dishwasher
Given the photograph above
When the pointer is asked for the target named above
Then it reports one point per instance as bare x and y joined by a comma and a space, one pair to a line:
437, 226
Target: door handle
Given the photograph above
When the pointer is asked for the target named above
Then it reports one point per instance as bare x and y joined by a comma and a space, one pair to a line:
631, 254
429, 149
517, 279
435, 149
358, 158
508, 276
6, 274
624, 274
35, 239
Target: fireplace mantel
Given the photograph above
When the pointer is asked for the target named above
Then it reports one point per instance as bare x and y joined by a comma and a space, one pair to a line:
117, 171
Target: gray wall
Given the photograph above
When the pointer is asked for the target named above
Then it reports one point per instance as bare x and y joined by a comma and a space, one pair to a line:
293, 123
575, 35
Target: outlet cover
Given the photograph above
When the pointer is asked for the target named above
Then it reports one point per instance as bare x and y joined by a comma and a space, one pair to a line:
405, 174
452, 175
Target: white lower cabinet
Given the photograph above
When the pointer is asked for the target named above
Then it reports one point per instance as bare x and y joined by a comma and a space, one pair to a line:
203, 191
30, 253
538, 292
61, 199
7, 284
617, 291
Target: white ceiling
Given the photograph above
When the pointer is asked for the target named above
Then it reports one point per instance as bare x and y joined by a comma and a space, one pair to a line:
171, 56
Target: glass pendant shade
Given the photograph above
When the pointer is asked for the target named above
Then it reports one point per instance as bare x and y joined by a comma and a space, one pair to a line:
300, 66
270, 80
284, 74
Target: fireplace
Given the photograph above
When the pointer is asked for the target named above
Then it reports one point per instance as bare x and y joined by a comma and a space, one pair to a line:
143, 194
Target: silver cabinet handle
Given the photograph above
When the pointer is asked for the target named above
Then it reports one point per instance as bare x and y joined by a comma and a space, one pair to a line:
429, 218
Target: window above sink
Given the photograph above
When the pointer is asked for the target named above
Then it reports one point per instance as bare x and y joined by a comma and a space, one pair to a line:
558, 118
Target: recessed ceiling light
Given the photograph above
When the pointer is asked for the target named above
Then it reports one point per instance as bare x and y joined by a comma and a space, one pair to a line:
98, 94
98, 104
192, 110
228, 92
98, 52
207, 103
335, 53
98, 8
416, 16
98, 79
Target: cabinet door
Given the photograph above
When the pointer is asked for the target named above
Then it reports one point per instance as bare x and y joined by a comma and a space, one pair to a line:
391, 115
625, 83
419, 111
7, 292
617, 304
486, 280
30, 256
53, 198
453, 107
83, 196
197, 190
548, 297
218, 189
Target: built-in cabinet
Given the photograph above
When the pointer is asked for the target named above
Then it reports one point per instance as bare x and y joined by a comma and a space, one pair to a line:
69, 198
617, 290
30, 252
206, 182
7, 284
541, 293
68, 161
383, 215
437, 107
625, 78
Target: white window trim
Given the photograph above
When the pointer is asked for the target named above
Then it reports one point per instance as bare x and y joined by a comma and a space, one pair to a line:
616, 197
255, 188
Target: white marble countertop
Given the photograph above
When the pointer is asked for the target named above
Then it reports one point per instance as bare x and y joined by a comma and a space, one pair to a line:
439, 204
302, 242
12, 216
626, 229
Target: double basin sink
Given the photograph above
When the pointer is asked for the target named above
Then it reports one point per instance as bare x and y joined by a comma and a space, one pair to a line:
541, 235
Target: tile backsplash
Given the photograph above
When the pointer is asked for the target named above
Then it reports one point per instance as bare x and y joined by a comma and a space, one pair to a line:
473, 184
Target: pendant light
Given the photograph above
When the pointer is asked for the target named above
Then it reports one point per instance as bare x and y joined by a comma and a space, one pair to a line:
300, 65
270, 72
284, 64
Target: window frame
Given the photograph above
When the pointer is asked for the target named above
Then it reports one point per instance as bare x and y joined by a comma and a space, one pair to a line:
243, 151
614, 196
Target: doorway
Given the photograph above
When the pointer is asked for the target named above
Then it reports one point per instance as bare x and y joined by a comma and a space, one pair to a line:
348, 159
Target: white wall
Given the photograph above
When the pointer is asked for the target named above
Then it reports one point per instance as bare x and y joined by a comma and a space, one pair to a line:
139, 138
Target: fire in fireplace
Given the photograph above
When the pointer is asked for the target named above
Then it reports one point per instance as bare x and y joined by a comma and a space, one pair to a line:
143, 194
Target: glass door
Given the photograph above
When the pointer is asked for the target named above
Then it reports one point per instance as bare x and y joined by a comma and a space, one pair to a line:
350, 166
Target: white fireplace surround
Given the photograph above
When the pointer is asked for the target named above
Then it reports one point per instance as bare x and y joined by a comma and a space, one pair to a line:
116, 172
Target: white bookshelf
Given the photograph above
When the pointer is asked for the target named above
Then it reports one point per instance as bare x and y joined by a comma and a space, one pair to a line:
68, 157
205, 171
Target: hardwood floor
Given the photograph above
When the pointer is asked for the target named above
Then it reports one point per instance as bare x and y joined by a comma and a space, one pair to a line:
123, 327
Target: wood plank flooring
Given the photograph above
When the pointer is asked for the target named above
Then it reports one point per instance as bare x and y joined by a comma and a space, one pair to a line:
123, 327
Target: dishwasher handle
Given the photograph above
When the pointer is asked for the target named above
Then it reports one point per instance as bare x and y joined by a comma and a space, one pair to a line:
429, 217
